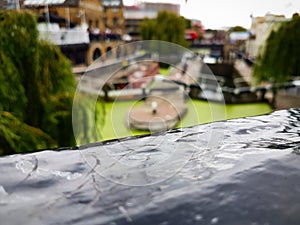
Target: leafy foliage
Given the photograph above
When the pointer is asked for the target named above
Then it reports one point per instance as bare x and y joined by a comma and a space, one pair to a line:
280, 60
166, 27
11, 99
18, 137
237, 29
56, 85
36, 90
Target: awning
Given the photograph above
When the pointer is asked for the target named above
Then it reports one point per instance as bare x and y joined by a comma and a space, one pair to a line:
43, 2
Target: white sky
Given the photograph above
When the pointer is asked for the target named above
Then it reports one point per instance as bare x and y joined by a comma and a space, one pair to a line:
216, 14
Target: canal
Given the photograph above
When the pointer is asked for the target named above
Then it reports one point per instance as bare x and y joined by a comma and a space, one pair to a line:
199, 112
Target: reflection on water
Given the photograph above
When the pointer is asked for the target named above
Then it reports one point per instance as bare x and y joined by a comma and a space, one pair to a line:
251, 177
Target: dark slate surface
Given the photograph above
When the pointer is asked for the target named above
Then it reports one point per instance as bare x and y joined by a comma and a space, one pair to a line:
244, 171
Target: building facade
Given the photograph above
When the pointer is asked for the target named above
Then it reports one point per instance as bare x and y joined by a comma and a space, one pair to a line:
77, 12
135, 14
114, 16
100, 16
260, 30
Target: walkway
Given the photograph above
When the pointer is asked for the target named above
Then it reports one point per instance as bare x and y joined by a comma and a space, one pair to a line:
244, 70
283, 100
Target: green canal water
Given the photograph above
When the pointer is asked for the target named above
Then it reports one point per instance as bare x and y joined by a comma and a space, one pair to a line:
199, 112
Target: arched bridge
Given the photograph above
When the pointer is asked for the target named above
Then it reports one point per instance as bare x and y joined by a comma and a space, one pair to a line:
86, 53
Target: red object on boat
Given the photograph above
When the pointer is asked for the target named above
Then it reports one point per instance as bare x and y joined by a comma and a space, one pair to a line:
191, 35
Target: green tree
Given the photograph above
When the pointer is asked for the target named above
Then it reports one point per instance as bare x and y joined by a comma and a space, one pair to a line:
37, 87
280, 59
147, 29
18, 137
237, 29
166, 26
188, 23
56, 85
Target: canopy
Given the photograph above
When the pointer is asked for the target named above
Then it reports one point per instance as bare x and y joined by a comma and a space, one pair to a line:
43, 2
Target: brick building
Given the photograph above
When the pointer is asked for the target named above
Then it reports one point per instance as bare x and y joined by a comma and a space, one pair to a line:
97, 14
113, 15
76, 12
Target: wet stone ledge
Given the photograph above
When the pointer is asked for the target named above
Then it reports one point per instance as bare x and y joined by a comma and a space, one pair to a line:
243, 171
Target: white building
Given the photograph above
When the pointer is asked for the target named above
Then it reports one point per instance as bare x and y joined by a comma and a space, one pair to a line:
260, 30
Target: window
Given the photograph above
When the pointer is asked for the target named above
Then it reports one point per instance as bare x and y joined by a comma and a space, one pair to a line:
115, 21
105, 21
111, 3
